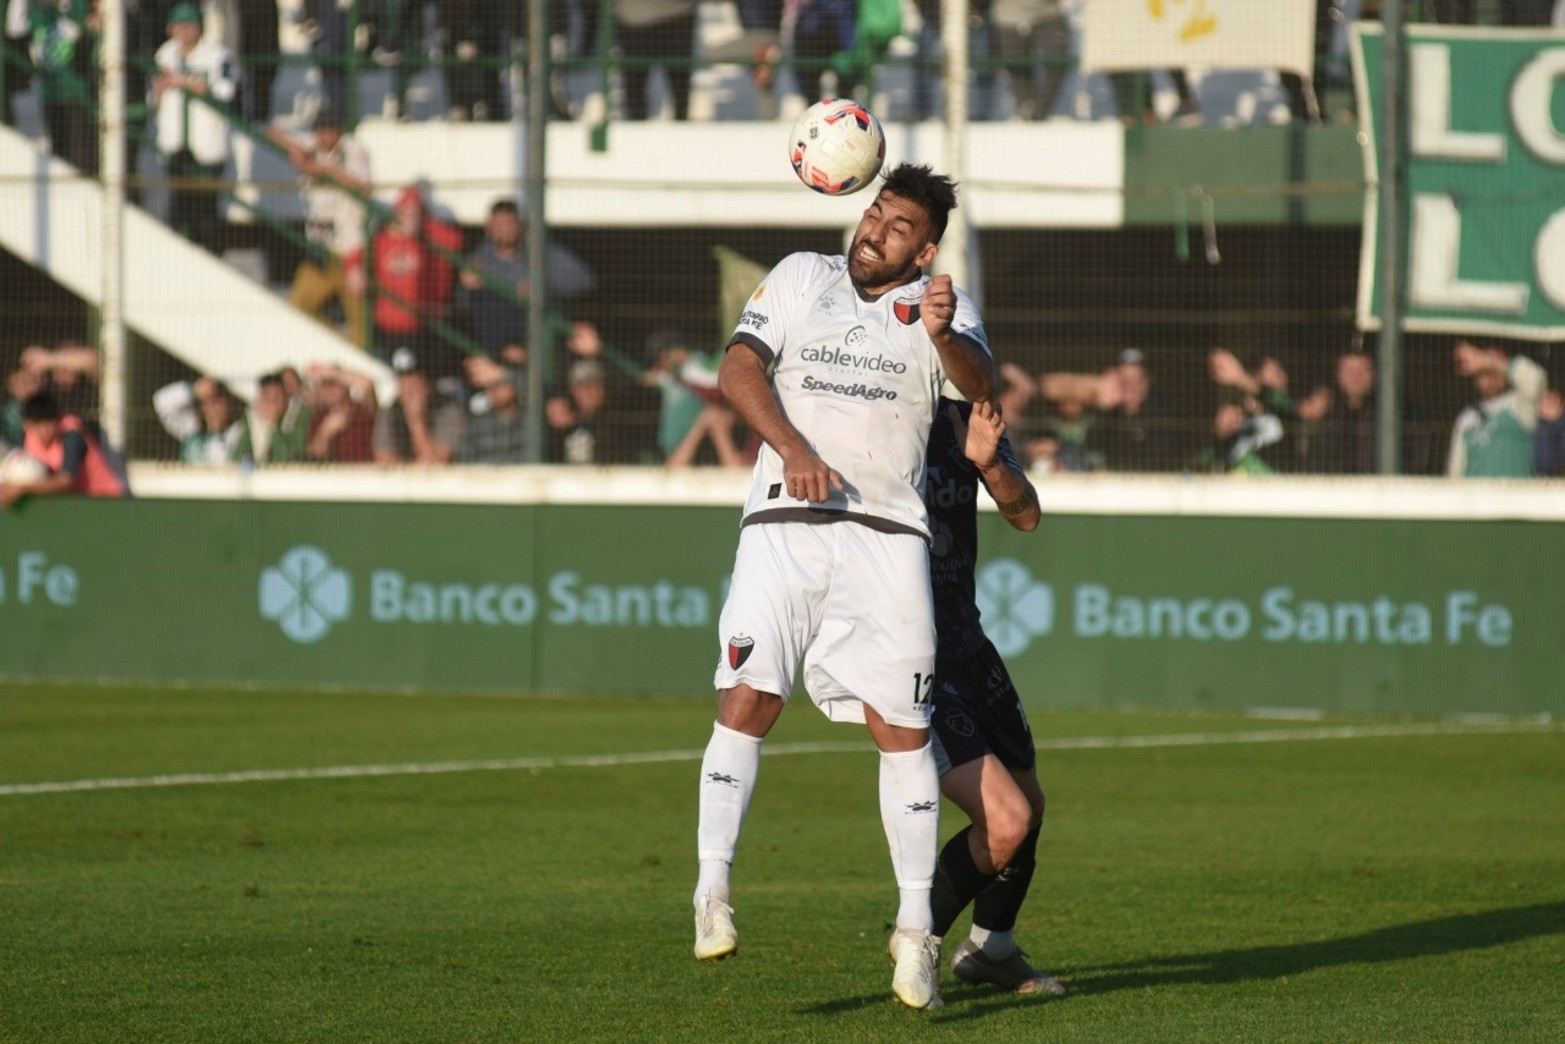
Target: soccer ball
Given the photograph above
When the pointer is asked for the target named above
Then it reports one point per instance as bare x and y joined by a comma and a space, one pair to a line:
837, 147
19, 467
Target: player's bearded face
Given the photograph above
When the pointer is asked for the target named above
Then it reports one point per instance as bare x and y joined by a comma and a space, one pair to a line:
887, 243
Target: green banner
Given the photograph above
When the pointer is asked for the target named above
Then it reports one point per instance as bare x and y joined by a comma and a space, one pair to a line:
1484, 109
1394, 616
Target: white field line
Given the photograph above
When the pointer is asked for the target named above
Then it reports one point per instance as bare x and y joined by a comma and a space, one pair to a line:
1190, 739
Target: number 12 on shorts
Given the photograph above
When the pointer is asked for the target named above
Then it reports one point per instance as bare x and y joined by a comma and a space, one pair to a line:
923, 686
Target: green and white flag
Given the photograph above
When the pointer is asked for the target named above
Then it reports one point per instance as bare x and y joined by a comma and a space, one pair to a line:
1484, 218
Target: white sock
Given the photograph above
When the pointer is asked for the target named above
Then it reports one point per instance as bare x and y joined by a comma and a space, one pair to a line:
910, 812
994, 944
728, 774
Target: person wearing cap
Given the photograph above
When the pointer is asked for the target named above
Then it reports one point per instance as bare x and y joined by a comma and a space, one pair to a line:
409, 260
575, 415
335, 172
424, 425
193, 135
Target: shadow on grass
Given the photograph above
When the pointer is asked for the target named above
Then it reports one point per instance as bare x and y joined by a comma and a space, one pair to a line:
1443, 935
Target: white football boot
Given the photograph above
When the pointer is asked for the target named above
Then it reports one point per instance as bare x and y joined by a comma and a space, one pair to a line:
916, 980
715, 934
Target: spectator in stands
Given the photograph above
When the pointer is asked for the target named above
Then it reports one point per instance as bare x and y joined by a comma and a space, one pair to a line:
63, 43
760, 45
1340, 424
76, 463
203, 416
1134, 429
692, 411
655, 32
257, 37
424, 425
821, 30
1032, 42
327, 27
577, 418
1262, 397
396, 28
336, 182
342, 411
929, 75
18, 71
1492, 438
1548, 441
192, 136
21, 384
1241, 429
71, 371
496, 431
499, 322
413, 278
276, 426
475, 34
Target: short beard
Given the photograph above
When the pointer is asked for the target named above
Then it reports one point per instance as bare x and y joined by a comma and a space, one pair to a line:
866, 276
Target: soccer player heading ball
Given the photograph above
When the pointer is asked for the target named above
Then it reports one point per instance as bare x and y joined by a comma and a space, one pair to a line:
832, 570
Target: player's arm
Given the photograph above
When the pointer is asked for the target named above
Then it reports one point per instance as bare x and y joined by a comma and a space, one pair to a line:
967, 363
986, 446
742, 380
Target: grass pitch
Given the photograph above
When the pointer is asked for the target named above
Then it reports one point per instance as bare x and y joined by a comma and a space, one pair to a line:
509, 876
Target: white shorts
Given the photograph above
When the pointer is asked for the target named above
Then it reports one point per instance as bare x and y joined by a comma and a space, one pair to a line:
852, 602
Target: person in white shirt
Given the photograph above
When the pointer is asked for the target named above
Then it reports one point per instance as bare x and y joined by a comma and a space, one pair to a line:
193, 136
336, 182
838, 364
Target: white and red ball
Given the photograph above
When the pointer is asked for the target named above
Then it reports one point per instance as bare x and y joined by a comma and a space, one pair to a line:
837, 146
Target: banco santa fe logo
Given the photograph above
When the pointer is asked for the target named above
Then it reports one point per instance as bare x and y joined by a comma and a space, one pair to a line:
305, 594
1015, 607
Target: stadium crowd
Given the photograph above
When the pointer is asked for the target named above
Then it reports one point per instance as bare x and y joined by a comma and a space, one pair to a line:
445, 307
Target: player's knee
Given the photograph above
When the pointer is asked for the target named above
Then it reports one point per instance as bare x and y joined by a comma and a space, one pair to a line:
1008, 828
748, 710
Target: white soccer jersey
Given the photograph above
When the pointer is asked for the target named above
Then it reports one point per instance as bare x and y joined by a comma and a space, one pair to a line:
859, 379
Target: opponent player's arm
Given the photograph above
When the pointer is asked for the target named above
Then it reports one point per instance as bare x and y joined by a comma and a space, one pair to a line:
986, 446
742, 380
967, 364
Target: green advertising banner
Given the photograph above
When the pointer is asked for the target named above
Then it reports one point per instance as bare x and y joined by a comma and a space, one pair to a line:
1197, 612
1485, 179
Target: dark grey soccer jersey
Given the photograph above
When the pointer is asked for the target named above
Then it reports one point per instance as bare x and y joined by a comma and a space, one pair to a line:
951, 499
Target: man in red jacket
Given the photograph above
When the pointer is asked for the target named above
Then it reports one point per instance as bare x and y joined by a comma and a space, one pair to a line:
412, 280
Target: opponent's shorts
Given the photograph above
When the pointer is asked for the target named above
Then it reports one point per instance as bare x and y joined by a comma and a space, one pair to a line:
849, 602
978, 712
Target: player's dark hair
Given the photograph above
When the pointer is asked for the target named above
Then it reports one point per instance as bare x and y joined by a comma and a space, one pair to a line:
504, 206
916, 183
41, 407
269, 379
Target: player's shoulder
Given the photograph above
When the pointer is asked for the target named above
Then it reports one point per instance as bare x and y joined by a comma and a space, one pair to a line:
810, 263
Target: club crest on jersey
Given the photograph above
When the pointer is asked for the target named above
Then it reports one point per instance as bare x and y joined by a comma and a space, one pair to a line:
739, 650
961, 725
906, 311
